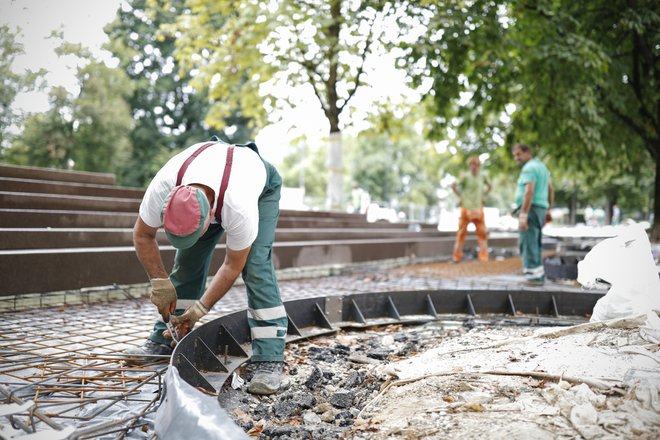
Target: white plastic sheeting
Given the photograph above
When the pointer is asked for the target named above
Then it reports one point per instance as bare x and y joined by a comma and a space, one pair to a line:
188, 413
7, 432
626, 263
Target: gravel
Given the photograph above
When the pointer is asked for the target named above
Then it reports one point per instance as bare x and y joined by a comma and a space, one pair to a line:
327, 382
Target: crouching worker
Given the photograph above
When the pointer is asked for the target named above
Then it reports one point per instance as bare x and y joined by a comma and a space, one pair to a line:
209, 189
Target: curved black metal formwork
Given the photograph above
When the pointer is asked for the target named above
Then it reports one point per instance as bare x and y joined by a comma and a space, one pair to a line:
209, 354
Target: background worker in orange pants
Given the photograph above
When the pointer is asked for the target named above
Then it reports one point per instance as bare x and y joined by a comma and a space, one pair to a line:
472, 188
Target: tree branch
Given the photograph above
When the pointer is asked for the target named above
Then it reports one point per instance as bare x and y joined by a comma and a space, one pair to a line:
361, 68
630, 122
636, 80
310, 70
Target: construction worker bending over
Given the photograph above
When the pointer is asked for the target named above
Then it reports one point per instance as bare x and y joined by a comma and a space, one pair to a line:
209, 189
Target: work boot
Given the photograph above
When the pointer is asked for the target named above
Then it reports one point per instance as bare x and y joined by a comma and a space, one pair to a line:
150, 352
267, 378
535, 281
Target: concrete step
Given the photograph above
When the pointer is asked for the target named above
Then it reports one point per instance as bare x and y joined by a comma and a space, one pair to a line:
54, 174
30, 217
52, 238
11, 184
21, 200
57, 218
50, 270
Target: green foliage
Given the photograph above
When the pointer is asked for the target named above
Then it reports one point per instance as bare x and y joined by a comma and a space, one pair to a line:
11, 84
237, 50
169, 114
47, 139
306, 165
89, 131
102, 119
393, 162
216, 46
582, 75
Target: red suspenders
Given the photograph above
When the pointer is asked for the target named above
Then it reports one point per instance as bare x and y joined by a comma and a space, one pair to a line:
192, 157
225, 180
225, 175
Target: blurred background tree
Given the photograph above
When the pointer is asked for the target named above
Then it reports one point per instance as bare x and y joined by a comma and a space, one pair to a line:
11, 85
169, 114
577, 81
321, 45
88, 131
304, 167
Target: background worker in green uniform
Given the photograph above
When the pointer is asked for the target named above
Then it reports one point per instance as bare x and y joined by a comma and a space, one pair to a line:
534, 196
208, 190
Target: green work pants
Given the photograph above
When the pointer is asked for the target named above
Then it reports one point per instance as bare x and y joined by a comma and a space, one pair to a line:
266, 314
530, 244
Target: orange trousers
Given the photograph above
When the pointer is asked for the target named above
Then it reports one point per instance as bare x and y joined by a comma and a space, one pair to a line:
475, 216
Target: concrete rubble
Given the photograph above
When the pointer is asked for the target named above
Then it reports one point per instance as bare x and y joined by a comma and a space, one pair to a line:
449, 380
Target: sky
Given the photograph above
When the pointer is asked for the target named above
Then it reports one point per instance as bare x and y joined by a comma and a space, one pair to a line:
82, 21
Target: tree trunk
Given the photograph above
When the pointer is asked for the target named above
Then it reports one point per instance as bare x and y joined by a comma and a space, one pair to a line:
572, 211
335, 190
655, 229
610, 200
334, 194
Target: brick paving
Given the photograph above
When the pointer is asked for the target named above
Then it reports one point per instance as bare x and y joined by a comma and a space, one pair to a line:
133, 318
501, 274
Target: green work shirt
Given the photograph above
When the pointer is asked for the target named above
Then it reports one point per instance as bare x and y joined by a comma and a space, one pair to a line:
472, 189
534, 171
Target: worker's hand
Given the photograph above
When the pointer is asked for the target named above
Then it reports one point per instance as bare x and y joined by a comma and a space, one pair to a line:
187, 321
522, 222
163, 295
548, 217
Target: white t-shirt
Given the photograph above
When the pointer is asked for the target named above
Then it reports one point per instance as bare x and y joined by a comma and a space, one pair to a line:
240, 211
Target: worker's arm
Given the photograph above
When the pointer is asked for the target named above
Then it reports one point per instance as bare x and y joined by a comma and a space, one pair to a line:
551, 200
526, 206
489, 187
551, 194
220, 285
146, 248
163, 293
225, 277
454, 188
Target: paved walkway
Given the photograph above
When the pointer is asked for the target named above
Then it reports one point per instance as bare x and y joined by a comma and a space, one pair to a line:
392, 276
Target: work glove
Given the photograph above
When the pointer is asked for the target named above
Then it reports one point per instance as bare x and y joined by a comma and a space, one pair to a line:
522, 221
163, 295
189, 318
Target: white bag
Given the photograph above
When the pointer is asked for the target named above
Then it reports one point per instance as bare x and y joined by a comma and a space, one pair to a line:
626, 263
187, 413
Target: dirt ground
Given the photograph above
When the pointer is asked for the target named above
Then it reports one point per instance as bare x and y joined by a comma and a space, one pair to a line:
464, 269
